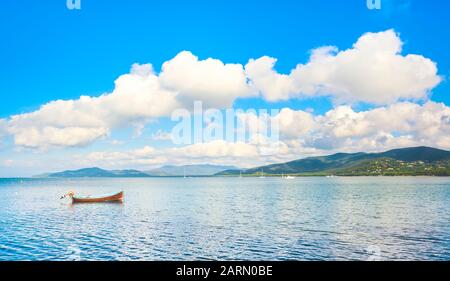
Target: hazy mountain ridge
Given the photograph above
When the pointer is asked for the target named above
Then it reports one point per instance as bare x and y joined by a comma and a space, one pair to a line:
406, 161
189, 170
413, 161
97, 173
166, 171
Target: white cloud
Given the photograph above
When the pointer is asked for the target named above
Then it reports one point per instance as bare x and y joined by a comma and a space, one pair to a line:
136, 99
372, 71
424, 122
217, 84
272, 85
216, 149
344, 129
214, 152
35, 137
397, 125
294, 123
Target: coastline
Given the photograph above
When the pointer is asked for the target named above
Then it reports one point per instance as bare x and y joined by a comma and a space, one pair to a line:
233, 176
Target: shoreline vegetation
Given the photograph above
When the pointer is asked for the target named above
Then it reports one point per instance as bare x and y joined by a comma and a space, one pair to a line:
416, 161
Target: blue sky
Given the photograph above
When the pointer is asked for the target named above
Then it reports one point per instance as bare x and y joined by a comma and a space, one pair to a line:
49, 52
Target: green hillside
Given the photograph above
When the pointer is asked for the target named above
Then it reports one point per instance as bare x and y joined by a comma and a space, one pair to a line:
406, 161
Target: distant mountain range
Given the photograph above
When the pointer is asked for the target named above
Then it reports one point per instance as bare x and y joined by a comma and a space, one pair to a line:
166, 171
189, 170
414, 161
96, 173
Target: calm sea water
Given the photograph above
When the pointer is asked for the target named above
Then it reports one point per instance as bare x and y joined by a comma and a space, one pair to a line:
228, 219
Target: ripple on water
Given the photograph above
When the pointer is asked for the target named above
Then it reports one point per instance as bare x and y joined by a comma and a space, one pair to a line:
227, 219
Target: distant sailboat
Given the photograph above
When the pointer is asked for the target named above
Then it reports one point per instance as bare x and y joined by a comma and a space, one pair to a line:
287, 177
262, 174
184, 172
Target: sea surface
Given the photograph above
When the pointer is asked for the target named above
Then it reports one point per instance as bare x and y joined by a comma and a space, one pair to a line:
367, 218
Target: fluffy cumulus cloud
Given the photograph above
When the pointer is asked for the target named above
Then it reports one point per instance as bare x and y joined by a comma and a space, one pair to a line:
343, 129
136, 99
372, 71
217, 84
294, 123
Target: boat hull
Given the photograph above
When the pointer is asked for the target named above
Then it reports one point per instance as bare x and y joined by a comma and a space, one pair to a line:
118, 197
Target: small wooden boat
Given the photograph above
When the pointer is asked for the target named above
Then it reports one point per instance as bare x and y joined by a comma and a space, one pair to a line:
113, 197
